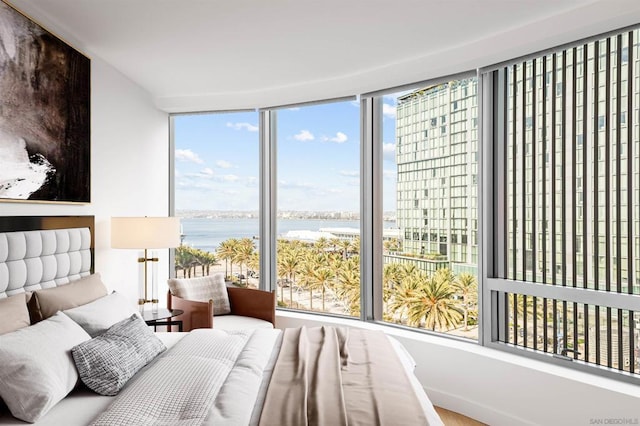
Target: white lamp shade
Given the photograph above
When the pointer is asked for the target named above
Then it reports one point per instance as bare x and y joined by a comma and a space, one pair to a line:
145, 232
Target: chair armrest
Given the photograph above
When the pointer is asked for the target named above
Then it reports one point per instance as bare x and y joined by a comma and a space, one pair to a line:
196, 314
254, 303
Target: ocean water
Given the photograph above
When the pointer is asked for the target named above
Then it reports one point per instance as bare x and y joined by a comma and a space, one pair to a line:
206, 234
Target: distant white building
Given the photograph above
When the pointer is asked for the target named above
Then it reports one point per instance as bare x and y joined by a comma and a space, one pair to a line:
340, 233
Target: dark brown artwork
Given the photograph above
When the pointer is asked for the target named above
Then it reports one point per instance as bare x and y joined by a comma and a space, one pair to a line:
44, 114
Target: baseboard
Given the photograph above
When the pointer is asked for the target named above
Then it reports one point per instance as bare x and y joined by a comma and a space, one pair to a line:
479, 412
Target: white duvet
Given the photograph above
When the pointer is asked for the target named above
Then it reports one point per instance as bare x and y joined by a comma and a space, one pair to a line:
231, 407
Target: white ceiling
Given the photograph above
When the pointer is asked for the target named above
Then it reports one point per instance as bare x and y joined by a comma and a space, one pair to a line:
215, 54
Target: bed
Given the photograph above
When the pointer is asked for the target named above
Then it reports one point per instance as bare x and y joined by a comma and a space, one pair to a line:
94, 360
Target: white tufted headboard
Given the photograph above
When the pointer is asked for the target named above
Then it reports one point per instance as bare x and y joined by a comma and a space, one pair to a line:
36, 259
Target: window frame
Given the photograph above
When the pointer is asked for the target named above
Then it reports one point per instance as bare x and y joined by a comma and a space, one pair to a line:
492, 189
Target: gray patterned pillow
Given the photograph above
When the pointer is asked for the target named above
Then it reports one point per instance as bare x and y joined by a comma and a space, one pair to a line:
203, 289
105, 363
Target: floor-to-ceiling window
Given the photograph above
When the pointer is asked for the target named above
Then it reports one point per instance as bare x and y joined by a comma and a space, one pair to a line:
318, 227
429, 166
567, 248
216, 195
551, 271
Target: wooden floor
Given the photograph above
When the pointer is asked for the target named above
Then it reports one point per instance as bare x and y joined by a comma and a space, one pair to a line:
450, 418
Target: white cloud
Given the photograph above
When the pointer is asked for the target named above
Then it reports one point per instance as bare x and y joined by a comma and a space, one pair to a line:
246, 126
206, 172
389, 151
223, 164
304, 136
350, 173
303, 185
389, 111
188, 155
230, 178
294, 109
338, 138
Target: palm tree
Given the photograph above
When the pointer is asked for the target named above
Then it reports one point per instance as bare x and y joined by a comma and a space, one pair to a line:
346, 247
183, 259
254, 262
466, 285
225, 251
334, 243
391, 245
402, 294
321, 244
307, 278
433, 304
206, 259
392, 275
290, 263
409, 268
323, 277
355, 245
243, 250
348, 289
282, 248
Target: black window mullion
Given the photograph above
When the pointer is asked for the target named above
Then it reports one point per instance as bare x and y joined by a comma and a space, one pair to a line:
543, 130
563, 162
585, 257
552, 155
523, 176
596, 180
514, 165
608, 197
619, 192
554, 274
534, 189
563, 140
574, 167
630, 201
505, 176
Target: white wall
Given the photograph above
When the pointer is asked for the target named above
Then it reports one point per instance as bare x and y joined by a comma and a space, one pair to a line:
499, 388
129, 168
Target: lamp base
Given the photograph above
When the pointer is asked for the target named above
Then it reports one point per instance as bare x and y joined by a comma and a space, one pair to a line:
144, 304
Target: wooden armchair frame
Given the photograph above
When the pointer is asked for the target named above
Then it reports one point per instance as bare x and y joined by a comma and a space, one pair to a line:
245, 302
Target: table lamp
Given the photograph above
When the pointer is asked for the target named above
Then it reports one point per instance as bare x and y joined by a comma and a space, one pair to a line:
146, 233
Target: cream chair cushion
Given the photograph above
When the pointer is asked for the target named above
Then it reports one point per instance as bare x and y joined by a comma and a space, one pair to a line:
203, 289
237, 322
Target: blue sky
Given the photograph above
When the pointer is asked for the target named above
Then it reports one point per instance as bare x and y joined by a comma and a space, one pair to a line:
318, 159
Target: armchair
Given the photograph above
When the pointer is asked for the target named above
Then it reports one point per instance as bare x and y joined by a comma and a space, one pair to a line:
247, 308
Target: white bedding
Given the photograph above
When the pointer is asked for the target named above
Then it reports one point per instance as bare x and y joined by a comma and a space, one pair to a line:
82, 406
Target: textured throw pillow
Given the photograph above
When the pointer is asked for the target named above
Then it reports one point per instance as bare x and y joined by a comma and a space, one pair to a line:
105, 363
97, 316
36, 368
15, 314
203, 289
45, 303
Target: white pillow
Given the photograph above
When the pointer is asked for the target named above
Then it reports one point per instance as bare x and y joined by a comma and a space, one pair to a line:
97, 316
36, 366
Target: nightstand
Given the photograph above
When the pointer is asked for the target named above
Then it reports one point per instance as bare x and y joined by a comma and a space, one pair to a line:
163, 317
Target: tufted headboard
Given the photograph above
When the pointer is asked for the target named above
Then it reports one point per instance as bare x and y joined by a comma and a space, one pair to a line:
43, 251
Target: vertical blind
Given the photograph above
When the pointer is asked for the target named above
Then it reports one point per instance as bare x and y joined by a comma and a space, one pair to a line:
571, 206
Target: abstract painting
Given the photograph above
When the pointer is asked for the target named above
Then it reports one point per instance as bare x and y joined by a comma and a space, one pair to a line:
45, 137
